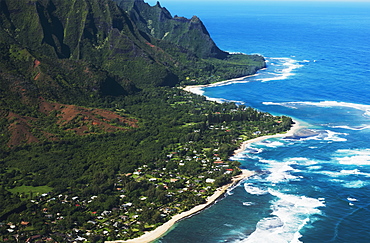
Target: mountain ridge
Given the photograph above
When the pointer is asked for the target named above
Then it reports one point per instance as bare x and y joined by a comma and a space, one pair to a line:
78, 52
97, 140
158, 22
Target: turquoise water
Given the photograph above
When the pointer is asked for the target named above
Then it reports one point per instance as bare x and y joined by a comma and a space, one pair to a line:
307, 189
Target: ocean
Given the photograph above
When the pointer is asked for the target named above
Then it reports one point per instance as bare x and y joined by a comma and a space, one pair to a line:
314, 187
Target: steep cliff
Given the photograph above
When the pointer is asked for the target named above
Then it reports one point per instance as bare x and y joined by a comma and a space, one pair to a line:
96, 32
136, 44
159, 23
86, 103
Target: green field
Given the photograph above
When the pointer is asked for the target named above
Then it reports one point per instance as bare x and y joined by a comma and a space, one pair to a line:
27, 190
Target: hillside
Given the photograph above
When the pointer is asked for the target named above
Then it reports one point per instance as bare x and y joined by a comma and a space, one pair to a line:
158, 22
95, 135
79, 52
127, 43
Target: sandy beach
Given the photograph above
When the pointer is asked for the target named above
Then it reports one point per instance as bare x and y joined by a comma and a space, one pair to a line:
294, 129
161, 230
197, 89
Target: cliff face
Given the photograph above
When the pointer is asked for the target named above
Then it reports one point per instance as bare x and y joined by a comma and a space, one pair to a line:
96, 32
75, 52
159, 23
81, 107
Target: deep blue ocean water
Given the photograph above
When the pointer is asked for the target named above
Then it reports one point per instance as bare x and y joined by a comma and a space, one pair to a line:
307, 189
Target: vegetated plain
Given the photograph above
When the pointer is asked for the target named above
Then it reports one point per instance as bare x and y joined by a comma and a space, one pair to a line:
97, 140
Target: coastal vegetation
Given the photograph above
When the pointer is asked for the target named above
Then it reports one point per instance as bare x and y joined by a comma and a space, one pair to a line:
97, 140
116, 185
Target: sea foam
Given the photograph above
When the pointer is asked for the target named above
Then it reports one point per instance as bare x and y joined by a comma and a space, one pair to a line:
280, 172
356, 184
254, 190
270, 143
288, 66
353, 156
335, 136
354, 128
290, 213
362, 107
324, 104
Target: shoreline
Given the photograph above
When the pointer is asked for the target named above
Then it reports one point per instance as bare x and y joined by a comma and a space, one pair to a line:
196, 89
155, 234
293, 129
151, 236
160, 231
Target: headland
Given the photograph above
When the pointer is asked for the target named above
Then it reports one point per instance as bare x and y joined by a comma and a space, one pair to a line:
163, 229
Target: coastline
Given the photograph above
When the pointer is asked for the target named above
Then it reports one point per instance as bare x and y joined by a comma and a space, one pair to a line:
294, 129
155, 234
151, 236
197, 89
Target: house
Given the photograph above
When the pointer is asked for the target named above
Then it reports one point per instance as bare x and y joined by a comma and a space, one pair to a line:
105, 213
24, 223
123, 217
209, 180
218, 162
33, 238
79, 238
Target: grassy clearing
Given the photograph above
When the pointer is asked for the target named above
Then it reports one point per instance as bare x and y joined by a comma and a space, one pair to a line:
28, 189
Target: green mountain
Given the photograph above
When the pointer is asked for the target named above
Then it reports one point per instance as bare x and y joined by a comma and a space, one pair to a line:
96, 33
158, 22
97, 140
79, 52
137, 45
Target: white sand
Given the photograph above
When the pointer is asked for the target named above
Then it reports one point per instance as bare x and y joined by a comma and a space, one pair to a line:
197, 89
296, 126
161, 230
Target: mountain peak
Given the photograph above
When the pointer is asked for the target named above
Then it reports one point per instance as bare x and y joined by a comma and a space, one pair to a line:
195, 19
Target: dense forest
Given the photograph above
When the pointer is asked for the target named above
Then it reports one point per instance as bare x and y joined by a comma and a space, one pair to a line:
97, 139
119, 180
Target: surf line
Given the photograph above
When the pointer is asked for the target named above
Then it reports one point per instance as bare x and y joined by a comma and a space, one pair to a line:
160, 231
164, 228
